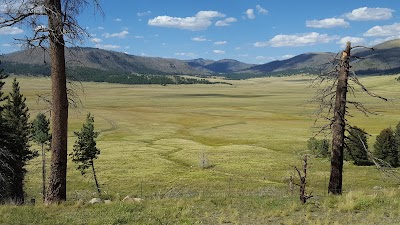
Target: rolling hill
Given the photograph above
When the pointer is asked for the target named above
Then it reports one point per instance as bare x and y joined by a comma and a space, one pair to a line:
381, 59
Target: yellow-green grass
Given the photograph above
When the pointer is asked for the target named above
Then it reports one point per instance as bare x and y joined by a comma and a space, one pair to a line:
252, 133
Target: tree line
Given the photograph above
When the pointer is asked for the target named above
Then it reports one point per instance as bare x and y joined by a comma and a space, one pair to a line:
97, 75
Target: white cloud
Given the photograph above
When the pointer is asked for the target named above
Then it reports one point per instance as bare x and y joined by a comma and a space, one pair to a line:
6, 45
225, 22
109, 47
243, 55
199, 39
220, 42
261, 10
296, 40
219, 51
287, 56
383, 31
138, 37
121, 34
118, 20
201, 21
100, 28
143, 13
366, 13
380, 40
96, 40
354, 41
237, 48
186, 54
327, 23
41, 28
10, 31
250, 14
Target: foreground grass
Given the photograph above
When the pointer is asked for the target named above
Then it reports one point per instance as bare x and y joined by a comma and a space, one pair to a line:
380, 207
153, 139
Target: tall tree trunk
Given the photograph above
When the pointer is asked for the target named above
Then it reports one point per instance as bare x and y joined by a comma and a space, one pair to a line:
59, 121
339, 123
95, 178
43, 172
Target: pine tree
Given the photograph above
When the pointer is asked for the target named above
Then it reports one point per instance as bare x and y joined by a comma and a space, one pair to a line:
397, 138
15, 117
6, 171
356, 147
41, 136
85, 150
386, 147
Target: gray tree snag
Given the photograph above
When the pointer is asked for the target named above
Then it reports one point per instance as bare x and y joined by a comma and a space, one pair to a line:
303, 182
339, 124
333, 100
61, 23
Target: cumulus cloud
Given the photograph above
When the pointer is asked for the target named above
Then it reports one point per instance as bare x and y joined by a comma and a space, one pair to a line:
380, 40
220, 42
225, 22
199, 39
219, 51
96, 40
118, 20
10, 31
383, 31
186, 54
365, 14
261, 10
250, 14
296, 40
121, 34
287, 56
143, 13
327, 23
201, 21
354, 41
108, 47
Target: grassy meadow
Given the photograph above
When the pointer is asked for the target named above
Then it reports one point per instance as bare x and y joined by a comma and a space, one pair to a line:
155, 139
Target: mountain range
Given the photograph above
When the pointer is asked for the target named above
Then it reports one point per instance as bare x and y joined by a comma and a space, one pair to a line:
380, 59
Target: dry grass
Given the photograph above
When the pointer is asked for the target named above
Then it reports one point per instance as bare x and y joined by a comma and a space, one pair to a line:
252, 132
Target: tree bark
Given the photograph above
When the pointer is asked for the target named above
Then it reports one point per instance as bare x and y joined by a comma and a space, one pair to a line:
57, 190
43, 172
95, 179
339, 123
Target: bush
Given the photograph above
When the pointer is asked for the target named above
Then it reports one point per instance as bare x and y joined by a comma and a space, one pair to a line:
320, 148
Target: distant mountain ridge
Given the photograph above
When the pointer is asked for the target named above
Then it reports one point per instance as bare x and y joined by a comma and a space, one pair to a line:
382, 58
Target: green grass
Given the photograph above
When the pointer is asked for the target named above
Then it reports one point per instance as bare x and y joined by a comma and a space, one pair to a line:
252, 133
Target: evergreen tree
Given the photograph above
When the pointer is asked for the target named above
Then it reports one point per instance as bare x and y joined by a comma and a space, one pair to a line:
318, 147
386, 147
41, 136
85, 150
15, 117
6, 171
356, 147
397, 138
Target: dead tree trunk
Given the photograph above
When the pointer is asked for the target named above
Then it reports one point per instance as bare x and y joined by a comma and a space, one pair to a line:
57, 185
303, 182
339, 123
95, 179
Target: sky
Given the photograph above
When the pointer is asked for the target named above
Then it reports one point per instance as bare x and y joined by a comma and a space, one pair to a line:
251, 31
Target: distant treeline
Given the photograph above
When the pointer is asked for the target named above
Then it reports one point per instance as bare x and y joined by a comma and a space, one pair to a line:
97, 75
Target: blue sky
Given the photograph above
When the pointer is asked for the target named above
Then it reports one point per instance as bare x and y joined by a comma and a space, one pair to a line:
252, 31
